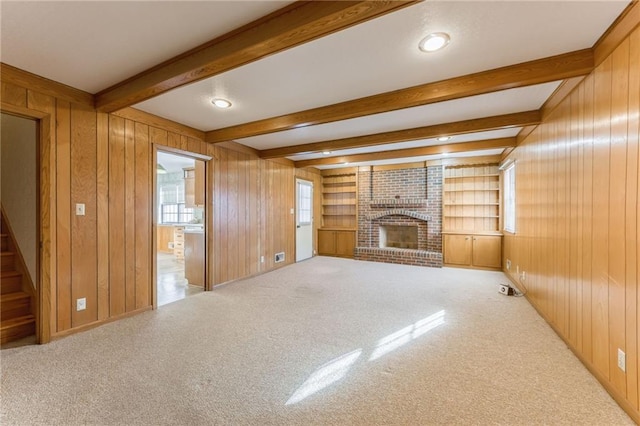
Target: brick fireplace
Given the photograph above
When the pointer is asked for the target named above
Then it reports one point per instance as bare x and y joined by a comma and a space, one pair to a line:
400, 216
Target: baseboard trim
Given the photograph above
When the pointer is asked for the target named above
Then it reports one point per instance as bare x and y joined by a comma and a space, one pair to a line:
617, 397
89, 326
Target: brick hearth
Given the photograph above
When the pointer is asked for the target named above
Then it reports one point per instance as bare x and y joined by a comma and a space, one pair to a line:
401, 197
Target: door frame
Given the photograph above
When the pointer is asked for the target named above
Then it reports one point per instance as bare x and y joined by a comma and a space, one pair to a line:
45, 266
295, 222
208, 213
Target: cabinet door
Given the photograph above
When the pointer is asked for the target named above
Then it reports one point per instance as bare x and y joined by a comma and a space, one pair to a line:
326, 242
189, 188
487, 251
345, 243
199, 184
457, 249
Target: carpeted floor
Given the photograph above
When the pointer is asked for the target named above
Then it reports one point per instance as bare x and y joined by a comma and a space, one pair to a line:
326, 341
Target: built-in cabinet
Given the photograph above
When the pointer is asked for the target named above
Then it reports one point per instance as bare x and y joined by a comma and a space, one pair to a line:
337, 237
471, 216
194, 185
473, 250
178, 242
194, 257
336, 242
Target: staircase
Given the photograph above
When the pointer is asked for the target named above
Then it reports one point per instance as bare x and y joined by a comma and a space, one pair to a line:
16, 317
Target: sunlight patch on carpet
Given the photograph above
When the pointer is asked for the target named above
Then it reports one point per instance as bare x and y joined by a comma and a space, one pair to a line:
325, 376
401, 337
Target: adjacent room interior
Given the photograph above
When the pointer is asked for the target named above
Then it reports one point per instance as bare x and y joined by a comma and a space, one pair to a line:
329, 212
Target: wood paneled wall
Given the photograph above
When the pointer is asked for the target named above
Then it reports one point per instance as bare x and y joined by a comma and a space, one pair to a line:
106, 162
577, 234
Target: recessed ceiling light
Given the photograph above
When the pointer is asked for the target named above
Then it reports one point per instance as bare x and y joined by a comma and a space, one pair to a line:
326, 152
221, 103
444, 138
433, 42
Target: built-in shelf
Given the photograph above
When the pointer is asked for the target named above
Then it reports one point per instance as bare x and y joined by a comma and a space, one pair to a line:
339, 199
471, 198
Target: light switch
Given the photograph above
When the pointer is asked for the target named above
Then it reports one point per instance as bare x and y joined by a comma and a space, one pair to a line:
79, 209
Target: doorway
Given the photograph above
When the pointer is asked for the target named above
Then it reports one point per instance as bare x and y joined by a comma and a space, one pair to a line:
181, 226
20, 229
304, 219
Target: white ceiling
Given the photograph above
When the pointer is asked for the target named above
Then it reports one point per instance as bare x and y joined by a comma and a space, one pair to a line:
92, 45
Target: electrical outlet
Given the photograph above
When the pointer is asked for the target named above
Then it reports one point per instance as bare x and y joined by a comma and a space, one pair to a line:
508, 264
292, 211
81, 304
523, 276
79, 209
622, 360
261, 259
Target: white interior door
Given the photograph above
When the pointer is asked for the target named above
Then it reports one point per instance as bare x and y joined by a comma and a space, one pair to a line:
304, 219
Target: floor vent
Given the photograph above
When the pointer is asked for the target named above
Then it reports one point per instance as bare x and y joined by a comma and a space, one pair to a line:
279, 257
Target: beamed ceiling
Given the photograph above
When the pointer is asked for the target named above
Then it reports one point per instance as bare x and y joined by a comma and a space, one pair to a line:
345, 77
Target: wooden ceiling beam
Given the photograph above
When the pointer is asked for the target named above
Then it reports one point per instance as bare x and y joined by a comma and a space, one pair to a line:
517, 119
288, 27
544, 70
411, 152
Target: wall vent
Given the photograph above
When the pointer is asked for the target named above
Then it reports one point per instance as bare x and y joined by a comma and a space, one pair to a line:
280, 257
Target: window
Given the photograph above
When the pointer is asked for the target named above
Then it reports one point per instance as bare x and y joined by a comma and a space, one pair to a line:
509, 178
175, 213
304, 203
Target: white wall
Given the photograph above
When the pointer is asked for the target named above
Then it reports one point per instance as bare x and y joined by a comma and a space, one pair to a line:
18, 190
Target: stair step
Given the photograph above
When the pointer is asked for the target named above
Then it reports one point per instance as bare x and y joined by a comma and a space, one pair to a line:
10, 282
4, 242
17, 328
14, 305
6, 261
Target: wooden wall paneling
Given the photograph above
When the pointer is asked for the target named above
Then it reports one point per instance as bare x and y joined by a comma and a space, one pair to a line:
63, 207
117, 275
243, 228
631, 222
574, 219
633, 234
254, 208
130, 215
263, 208
102, 191
223, 253
173, 140
587, 212
184, 143
158, 136
12, 94
617, 201
600, 299
577, 103
233, 228
84, 279
564, 175
143, 214
269, 214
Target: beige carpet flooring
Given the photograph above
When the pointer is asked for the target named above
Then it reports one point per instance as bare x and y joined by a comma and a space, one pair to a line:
323, 342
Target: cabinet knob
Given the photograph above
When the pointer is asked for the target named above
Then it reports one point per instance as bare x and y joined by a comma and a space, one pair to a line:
466, 238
